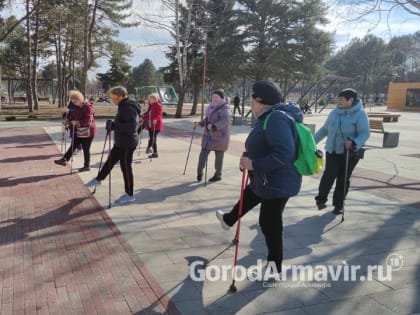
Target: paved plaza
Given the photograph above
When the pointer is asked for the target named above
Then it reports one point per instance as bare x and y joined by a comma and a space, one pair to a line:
64, 251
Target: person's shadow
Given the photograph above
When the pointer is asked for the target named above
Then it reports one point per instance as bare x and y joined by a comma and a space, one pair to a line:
230, 302
148, 195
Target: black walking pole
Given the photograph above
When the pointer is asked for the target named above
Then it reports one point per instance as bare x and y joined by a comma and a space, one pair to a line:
63, 136
345, 182
109, 171
189, 150
207, 156
72, 150
232, 287
140, 139
108, 132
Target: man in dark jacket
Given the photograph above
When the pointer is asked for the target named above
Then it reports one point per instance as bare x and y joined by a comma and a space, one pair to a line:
125, 127
270, 157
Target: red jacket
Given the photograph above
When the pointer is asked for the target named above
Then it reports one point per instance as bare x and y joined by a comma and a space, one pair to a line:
85, 116
155, 112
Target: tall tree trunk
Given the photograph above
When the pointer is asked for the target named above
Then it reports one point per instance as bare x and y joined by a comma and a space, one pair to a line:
59, 67
196, 94
87, 43
34, 62
28, 60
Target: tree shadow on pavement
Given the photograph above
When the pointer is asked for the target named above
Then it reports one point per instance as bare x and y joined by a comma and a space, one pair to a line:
28, 158
7, 182
16, 229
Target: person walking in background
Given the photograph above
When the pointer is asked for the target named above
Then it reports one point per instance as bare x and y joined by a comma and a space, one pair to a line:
346, 129
236, 103
82, 124
270, 156
216, 134
125, 126
153, 121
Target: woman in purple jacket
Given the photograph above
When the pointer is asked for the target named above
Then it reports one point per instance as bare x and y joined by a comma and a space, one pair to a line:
216, 134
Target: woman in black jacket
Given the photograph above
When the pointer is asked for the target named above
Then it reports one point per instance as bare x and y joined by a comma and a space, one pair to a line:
125, 127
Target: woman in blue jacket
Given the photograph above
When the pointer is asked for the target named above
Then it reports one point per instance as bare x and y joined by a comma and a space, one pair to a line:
346, 129
270, 157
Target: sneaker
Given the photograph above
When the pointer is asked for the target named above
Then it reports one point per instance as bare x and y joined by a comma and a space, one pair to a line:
338, 210
321, 205
84, 169
199, 177
154, 155
219, 215
215, 179
125, 199
62, 161
93, 182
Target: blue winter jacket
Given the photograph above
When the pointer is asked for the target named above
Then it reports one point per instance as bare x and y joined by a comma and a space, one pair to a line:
344, 124
273, 152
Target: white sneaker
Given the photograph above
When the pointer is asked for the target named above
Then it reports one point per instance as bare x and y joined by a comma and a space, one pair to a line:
219, 215
125, 199
93, 182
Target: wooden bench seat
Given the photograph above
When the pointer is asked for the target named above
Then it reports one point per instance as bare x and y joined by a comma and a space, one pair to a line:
390, 139
386, 117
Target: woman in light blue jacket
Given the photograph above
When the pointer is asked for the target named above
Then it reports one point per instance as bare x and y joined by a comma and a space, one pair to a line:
346, 129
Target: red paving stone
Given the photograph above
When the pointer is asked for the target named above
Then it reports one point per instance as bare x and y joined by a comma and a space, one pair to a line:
60, 253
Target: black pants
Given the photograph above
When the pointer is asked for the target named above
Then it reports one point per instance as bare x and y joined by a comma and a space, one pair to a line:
85, 143
125, 157
271, 222
152, 140
335, 168
236, 107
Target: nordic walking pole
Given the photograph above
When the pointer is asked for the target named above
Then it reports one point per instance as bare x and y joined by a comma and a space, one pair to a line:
140, 139
72, 150
189, 150
345, 182
109, 173
63, 130
102, 156
207, 156
232, 287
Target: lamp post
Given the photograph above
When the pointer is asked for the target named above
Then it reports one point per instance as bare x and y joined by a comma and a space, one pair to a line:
204, 63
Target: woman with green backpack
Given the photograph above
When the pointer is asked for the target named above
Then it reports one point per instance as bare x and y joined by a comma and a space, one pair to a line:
270, 156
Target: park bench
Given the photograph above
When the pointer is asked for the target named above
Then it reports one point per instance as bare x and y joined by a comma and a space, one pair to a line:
390, 139
386, 117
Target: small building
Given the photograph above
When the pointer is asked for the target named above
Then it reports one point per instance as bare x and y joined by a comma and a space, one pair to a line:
404, 96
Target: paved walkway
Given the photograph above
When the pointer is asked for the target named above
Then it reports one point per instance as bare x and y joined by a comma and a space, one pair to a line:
60, 252
74, 256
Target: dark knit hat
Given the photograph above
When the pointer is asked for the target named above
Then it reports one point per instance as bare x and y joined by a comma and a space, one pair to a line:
266, 92
348, 94
219, 92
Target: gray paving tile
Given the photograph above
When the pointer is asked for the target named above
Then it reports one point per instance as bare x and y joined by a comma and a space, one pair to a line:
360, 305
403, 301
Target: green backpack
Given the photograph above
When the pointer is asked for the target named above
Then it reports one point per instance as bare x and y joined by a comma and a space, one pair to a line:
309, 160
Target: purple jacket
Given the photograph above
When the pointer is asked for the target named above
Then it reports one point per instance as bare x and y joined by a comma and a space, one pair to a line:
220, 133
